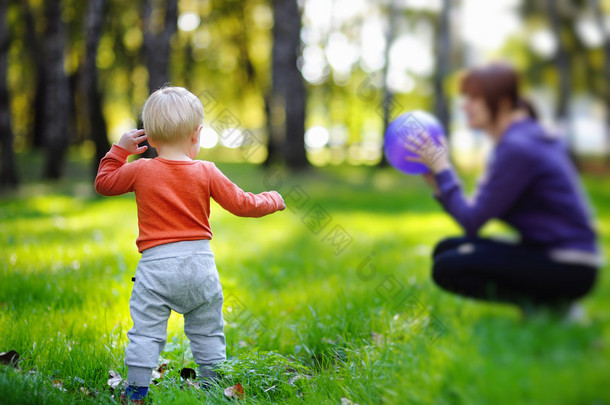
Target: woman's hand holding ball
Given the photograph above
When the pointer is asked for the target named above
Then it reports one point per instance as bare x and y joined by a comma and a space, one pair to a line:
432, 154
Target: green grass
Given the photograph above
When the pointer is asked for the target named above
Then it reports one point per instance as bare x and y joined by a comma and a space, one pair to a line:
365, 323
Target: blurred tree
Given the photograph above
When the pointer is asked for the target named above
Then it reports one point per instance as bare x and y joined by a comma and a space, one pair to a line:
8, 171
74, 15
443, 53
248, 73
562, 61
287, 99
56, 93
558, 17
96, 122
122, 38
34, 48
388, 96
161, 24
601, 26
238, 62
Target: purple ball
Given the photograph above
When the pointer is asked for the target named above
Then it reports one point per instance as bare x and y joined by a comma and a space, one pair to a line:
402, 131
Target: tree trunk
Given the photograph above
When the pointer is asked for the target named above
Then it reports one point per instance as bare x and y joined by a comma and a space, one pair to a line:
157, 46
287, 100
57, 93
93, 96
8, 170
36, 136
388, 96
157, 41
599, 18
443, 49
273, 155
562, 61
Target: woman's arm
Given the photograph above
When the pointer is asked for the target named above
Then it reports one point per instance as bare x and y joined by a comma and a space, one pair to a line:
508, 176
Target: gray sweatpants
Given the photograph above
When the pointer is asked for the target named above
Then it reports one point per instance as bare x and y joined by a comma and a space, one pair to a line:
182, 277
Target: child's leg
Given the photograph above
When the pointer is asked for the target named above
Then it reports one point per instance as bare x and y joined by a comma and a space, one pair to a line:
203, 326
148, 335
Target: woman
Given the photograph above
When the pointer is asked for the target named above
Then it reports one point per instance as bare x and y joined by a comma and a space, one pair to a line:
531, 185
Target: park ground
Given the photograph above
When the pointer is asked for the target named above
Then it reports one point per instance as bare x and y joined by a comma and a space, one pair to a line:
327, 302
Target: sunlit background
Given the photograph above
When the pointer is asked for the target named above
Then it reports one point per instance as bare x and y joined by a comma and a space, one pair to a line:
313, 83
353, 55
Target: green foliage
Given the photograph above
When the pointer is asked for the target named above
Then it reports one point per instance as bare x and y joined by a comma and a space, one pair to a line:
66, 259
265, 375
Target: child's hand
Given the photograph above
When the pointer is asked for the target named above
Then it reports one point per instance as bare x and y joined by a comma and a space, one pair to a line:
283, 203
131, 139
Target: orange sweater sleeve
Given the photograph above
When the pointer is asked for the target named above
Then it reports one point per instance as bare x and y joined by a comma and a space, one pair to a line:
115, 176
238, 202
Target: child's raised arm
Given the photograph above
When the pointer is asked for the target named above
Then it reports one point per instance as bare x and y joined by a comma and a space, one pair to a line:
114, 176
240, 203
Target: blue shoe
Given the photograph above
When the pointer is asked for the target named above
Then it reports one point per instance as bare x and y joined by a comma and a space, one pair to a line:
134, 395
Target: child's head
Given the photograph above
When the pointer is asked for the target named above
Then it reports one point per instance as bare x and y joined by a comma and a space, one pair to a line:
171, 114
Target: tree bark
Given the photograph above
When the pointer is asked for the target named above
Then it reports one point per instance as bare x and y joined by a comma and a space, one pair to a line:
36, 135
158, 34
57, 93
599, 18
443, 49
287, 100
273, 155
157, 41
93, 96
388, 96
8, 169
562, 61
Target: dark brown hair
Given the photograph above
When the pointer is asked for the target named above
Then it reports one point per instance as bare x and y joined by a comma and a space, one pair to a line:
495, 82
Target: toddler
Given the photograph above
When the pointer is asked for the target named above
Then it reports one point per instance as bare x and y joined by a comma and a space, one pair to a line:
177, 269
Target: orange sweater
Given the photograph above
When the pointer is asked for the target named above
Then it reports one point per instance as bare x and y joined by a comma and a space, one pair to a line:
173, 197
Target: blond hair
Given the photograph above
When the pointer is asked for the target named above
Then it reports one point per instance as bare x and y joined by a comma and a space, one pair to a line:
171, 114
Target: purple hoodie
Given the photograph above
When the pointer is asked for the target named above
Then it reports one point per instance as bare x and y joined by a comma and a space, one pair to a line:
531, 185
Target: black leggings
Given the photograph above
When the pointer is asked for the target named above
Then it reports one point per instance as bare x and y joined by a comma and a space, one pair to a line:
498, 271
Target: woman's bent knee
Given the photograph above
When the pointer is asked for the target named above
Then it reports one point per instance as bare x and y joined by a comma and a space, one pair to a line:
441, 275
448, 244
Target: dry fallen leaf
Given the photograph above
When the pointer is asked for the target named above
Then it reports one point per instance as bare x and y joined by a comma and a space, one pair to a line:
159, 372
114, 379
192, 384
235, 392
58, 384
